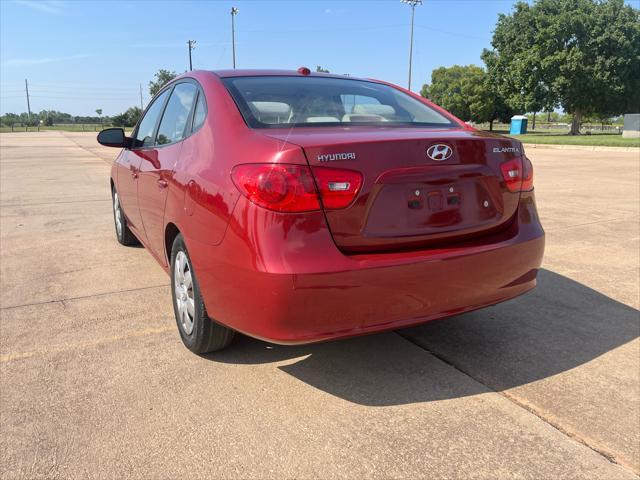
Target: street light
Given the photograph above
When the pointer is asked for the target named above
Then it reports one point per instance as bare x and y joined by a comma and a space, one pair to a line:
234, 12
192, 45
413, 4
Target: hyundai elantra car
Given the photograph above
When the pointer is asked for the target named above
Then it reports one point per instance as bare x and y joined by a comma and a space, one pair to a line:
297, 207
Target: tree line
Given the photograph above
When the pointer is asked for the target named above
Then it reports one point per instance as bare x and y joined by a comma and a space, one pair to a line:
52, 117
128, 118
579, 55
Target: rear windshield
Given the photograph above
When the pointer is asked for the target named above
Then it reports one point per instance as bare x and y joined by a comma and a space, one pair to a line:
281, 101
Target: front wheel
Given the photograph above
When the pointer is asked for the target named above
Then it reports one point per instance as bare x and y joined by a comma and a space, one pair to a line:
123, 234
199, 333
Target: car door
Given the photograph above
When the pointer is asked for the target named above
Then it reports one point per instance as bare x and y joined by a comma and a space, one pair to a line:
130, 160
158, 164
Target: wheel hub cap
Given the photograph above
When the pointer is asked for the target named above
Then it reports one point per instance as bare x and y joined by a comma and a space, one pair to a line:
117, 214
183, 288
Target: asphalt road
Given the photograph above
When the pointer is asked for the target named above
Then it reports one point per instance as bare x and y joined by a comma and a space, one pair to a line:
94, 381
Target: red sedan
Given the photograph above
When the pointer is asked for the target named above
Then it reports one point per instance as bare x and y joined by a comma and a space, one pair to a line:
296, 207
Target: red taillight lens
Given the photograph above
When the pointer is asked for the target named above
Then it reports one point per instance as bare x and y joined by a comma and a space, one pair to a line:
512, 175
291, 188
527, 175
518, 175
338, 187
283, 188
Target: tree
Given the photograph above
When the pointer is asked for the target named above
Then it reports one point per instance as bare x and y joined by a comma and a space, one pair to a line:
466, 92
10, 119
579, 54
319, 69
99, 112
162, 78
47, 117
128, 118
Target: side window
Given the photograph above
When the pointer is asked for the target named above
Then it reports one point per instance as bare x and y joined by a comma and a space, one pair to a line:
144, 134
200, 113
174, 120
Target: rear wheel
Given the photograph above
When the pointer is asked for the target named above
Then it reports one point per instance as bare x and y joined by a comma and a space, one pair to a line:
123, 234
199, 333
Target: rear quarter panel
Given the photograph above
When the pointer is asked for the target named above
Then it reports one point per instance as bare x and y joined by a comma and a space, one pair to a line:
202, 195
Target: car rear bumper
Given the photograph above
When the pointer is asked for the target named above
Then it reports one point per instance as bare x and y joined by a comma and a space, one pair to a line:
290, 284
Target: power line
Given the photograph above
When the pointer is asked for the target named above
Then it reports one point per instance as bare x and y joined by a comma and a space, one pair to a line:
76, 86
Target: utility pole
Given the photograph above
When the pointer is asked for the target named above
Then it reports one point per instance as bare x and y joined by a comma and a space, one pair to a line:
234, 12
192, 45
141, 105
413, 4
26, 87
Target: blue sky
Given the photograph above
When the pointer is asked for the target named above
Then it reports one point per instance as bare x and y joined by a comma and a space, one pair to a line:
80, 55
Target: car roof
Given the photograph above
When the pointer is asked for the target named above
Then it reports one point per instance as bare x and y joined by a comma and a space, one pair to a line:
273, 72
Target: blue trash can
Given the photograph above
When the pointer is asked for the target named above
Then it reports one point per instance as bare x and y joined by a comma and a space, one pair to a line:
518, 125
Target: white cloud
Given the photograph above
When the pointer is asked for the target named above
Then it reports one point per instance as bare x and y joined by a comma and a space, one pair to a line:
14, 62
53, 7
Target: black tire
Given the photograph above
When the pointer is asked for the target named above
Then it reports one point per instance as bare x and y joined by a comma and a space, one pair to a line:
123, 234
206, 335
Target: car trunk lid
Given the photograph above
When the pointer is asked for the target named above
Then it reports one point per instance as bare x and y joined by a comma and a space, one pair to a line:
420, 186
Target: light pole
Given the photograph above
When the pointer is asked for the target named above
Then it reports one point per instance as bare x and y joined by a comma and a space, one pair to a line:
413, 4
234, 12
192, 45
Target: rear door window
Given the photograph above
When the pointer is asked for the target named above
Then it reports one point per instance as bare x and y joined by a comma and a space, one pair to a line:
200, 113
144, 133
174, 121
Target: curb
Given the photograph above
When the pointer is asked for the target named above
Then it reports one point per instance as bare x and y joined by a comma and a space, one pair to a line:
590, 148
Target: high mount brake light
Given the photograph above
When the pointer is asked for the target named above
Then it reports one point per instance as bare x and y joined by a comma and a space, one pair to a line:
518, 174
291, 188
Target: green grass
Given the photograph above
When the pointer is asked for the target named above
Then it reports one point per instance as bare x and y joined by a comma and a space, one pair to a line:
74, 128
546, 137
63, 128
4, 129
561, 138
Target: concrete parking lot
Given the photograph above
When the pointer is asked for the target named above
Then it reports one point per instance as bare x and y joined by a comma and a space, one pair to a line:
94, 381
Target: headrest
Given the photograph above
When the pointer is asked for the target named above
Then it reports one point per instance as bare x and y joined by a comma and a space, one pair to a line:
271, 110
374, 109
322, 119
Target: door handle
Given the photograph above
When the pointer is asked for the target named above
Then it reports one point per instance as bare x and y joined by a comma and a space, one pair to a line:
134, 174
162, 183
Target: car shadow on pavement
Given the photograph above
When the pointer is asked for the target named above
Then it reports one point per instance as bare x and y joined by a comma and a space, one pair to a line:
560, 325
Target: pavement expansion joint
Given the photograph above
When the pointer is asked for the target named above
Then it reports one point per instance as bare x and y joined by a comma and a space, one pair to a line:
544, 416
81, 297
9, 357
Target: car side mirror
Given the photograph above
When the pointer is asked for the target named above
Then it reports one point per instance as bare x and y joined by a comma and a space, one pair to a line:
114, 137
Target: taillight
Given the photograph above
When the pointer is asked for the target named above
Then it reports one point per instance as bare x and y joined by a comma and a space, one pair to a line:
338, 188
527, 175
291, 188
279, 187
518, 175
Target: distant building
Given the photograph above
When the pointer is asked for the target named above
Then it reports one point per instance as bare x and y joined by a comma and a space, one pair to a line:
631, 125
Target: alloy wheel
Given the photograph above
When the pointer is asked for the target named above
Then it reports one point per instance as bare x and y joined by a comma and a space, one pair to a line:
117, 214
183, 292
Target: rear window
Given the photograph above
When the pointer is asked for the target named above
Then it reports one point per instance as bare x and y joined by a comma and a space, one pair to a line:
281, 101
